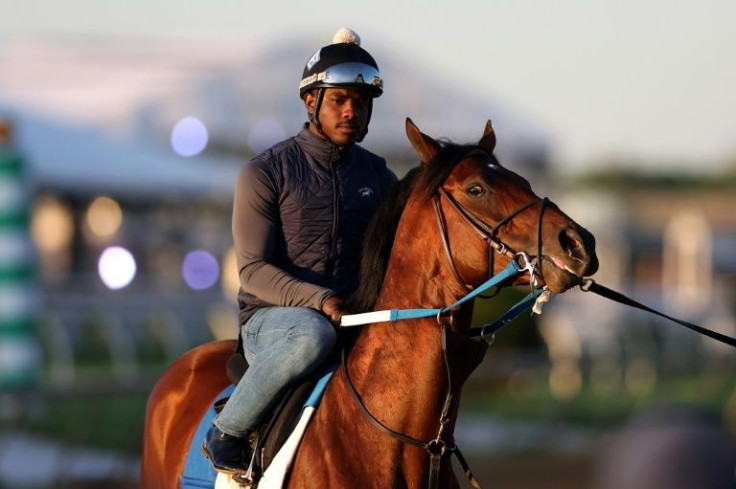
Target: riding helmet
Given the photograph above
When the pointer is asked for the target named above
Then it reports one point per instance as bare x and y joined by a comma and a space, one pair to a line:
342, 64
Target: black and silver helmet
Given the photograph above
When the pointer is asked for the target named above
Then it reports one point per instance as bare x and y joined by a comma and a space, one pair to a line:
342, 64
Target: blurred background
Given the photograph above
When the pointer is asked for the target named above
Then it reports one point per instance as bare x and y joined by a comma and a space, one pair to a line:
123, 124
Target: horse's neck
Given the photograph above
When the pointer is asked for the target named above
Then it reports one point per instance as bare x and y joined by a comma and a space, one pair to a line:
419, 272
398, 370
400, 367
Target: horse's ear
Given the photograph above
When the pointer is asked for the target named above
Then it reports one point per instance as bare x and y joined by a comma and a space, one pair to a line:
425, 147
488, 141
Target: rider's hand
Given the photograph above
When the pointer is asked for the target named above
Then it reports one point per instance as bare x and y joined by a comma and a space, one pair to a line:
332, 308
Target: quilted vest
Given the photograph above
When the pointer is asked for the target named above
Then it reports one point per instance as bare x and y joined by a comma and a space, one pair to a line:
327, 195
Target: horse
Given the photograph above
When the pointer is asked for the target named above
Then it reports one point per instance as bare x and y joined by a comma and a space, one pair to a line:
388, 414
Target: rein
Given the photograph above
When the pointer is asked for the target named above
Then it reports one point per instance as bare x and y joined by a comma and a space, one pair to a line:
589, 285
392, 315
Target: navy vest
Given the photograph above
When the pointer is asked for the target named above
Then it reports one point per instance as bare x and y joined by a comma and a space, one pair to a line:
327, 196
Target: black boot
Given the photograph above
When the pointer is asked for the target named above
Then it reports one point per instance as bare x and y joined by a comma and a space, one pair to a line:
227, 453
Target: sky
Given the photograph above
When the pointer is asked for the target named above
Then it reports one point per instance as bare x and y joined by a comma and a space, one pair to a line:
651, 82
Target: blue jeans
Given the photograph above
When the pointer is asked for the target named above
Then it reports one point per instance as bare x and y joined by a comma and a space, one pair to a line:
282, 345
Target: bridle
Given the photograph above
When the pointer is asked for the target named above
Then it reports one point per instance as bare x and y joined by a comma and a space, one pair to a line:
438, 447
488, 234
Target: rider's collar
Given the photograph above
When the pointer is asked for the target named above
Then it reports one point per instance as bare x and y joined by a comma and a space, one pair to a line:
323, 150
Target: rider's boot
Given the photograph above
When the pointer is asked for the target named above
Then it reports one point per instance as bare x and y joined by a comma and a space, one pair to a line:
227, 453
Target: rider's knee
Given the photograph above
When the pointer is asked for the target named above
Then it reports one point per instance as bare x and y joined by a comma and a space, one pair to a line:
315, 341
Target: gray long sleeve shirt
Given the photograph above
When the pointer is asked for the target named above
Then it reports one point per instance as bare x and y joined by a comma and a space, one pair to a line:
300, 211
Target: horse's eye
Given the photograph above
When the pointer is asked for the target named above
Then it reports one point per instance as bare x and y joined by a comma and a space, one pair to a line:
475, 191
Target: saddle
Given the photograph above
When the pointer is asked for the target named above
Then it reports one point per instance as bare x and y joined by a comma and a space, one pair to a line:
271, 434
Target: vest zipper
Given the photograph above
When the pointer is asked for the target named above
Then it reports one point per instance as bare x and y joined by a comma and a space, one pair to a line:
335, 217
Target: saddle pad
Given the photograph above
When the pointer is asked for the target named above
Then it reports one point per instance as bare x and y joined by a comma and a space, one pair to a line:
198, 472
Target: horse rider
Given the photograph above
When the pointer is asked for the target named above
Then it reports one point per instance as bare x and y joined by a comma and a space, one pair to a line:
300, 211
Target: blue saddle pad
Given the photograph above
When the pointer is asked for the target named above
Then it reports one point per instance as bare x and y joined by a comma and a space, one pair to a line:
198, 472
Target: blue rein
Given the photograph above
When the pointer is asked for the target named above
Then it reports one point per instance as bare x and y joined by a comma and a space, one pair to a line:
511, 270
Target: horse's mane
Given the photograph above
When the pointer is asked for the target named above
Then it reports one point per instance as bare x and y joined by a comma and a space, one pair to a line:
379, 237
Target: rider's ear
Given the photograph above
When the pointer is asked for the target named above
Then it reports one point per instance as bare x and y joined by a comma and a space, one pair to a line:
425, 147
488, 141
309, 101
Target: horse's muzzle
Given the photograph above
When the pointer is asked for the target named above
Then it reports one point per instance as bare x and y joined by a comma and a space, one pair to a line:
579, 245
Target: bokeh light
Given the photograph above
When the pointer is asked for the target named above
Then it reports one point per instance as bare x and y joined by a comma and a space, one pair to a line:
104, 217
230, 279
565, 380
222, 320
200, 270
264, 134
189, 137
116, 267
52, 225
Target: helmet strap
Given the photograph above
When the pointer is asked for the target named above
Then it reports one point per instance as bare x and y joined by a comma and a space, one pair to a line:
368, 120
314, 115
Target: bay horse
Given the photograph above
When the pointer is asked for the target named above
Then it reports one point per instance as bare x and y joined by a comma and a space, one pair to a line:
452, 222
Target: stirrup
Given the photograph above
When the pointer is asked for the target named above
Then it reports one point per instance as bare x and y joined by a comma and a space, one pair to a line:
248, 479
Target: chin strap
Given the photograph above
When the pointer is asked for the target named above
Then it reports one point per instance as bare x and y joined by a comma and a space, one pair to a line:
367, 121
314, 115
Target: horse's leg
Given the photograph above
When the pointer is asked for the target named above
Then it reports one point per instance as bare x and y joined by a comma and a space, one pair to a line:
176, 404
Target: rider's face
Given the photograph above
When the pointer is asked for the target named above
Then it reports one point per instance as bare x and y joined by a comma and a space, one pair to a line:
343, 114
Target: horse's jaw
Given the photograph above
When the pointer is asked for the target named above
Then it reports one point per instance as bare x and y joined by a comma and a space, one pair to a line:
560, 275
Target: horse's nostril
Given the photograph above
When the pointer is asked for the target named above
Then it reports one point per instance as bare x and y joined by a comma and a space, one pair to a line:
580, 246
572, 244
